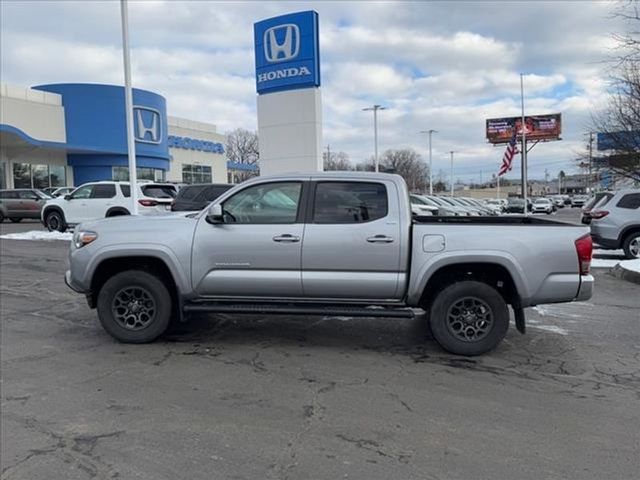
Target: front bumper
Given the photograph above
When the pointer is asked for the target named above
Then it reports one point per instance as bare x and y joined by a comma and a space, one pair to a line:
586, 288
69, 281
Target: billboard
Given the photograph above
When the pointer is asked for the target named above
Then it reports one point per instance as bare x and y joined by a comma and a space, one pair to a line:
286, 52
625, 140
538, 127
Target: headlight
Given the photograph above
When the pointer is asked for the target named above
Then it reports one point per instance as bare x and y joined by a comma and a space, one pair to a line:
83, 237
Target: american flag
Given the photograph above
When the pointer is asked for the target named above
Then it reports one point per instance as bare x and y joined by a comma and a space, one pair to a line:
509, 153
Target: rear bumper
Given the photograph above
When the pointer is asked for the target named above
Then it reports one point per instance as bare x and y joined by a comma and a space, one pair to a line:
586, 288
605, 242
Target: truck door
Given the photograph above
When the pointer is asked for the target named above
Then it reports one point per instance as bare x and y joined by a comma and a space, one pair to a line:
256, 251
351, 245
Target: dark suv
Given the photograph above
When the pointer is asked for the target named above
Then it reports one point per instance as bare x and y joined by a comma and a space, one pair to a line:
198, 196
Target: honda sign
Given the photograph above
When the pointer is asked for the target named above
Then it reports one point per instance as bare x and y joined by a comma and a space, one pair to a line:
286, 50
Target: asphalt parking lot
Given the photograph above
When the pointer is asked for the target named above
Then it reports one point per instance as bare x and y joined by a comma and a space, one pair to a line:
250, 397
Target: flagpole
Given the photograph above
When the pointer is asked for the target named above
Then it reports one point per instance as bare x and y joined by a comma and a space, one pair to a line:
128, 99
524, 148
498, 187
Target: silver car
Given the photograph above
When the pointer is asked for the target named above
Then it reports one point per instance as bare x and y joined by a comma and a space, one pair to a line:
615, 222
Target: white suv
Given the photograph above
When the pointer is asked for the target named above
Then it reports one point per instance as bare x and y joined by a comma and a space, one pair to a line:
105, 199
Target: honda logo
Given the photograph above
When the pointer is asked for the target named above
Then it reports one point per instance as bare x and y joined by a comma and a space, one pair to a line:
147, 125
281, 43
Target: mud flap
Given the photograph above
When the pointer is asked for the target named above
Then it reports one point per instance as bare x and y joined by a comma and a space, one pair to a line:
518, 313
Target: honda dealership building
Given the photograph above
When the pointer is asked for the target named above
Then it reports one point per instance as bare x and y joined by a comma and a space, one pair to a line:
69, 134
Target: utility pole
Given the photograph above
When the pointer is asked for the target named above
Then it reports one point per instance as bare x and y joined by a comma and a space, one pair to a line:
589, 187
430, 132
375, 109
524, 147
128, 97
451, 152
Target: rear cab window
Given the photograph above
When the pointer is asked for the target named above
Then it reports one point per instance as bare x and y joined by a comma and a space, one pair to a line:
349, 202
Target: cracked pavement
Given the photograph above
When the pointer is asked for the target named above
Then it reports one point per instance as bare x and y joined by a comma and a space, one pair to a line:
278, 397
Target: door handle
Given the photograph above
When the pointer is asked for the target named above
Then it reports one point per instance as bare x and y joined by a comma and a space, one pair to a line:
380, 239
286, 238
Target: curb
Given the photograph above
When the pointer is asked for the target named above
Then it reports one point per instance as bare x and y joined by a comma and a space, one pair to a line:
624, 274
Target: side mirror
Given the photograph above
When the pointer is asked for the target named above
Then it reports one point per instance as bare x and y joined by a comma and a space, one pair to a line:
67, 196
214, 214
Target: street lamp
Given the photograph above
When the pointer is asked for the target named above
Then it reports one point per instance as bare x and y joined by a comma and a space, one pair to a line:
430, 160
451, 152
375, 109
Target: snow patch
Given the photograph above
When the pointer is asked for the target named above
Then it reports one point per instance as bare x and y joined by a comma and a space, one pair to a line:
633, 265
551, 328
601, 263
39, 235
608, 253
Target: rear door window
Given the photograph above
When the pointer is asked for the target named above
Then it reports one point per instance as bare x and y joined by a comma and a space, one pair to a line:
213, 192
7, 195
191, 192
349, 202
630, 201
104, 191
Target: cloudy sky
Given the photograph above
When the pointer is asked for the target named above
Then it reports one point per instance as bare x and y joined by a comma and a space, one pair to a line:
441, 65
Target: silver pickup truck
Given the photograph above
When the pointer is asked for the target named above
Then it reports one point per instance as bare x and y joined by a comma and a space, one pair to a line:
328, 244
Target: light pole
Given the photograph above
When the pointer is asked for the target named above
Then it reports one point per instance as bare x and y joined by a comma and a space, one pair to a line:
430, 160
375, 109
451, 152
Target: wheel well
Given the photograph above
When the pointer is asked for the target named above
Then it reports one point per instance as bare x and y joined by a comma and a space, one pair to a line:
492, 274
153, 265
627, 232
49, 210
114, 212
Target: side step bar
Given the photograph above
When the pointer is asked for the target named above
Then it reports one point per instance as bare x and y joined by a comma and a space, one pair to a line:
297, 309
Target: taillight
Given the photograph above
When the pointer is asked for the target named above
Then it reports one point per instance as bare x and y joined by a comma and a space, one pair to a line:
584, 249
147, 203
597, 214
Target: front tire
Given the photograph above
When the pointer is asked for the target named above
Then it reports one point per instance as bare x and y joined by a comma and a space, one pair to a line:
469, 318
631, 245
55, 222
134, 307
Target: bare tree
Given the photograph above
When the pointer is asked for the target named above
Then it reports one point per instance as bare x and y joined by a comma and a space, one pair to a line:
409, 165
619, 122
336, 161
242, 147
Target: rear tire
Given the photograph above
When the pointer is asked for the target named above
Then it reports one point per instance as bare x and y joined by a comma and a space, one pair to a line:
55, 222
469, 318
134, 307
631, 245
15, 219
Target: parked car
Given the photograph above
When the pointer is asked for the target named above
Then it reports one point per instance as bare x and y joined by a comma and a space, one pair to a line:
485, 209
591, 203
328, 244
615, 222
420, 207
197, 196
446, 208
61, 191
542, 205
495, 204
462, 208
105, 199
558, 200
21, 203
578, 200
516, 205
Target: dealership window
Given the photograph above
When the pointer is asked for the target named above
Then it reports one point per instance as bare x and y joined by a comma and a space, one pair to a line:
121, 174
196, 174
27, 175
3, 173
